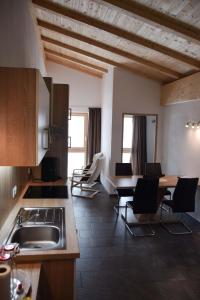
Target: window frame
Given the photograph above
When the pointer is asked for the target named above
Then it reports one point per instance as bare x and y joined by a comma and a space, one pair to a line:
126, 150
84, 148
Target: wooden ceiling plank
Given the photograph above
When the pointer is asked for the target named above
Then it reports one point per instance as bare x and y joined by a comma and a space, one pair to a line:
183, 90
64, 11
66, 32
111, 62
155, 17
73, 65
100, 58
76, 60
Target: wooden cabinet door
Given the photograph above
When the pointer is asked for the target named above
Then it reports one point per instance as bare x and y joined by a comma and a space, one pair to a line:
23, 116
60, 127
42, 119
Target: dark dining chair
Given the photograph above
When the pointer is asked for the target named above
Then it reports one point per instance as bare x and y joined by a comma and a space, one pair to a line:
183, 201
144, 202
123, 169
154, 169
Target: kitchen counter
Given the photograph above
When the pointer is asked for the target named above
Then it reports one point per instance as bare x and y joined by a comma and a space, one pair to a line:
72, 247
57, 266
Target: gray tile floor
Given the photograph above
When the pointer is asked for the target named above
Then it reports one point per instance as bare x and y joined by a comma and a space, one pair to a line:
114, 265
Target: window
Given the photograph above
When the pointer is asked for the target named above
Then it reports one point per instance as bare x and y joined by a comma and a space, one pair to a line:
78, 137
127, 138
151, 133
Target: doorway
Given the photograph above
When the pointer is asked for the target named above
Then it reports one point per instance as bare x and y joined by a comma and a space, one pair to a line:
77, 141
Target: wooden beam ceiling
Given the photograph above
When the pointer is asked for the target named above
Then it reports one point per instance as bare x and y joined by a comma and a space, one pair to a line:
72, 65
83, 52
64, 11
155, 17
66, 32
100, 58
75, 60
97, 57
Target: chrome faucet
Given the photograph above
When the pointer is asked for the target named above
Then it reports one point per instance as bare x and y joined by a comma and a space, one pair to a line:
19, 220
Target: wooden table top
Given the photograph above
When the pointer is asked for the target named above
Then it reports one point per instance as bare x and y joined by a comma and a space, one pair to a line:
131, 181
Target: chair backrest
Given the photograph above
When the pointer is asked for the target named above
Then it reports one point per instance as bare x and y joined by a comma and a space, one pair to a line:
153, 169
146, 196
184, 195
95, 157
123, 169
96, 170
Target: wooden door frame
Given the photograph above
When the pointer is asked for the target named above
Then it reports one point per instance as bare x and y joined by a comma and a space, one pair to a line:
81, 149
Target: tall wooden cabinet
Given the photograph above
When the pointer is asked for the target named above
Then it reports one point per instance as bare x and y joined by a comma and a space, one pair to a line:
24, 117
59, 128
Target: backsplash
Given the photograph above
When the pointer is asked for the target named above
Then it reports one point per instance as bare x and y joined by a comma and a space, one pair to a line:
9, 177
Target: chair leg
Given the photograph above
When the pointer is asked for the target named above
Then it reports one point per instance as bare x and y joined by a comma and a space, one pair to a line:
133, 232
118, 206
161, 211
124, 217
166, 226
164, 208
131, 226
91, 192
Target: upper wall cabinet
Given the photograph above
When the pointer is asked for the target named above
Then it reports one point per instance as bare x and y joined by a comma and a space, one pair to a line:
24, 117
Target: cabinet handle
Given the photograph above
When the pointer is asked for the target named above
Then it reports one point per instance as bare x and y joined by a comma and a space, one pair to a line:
45, 137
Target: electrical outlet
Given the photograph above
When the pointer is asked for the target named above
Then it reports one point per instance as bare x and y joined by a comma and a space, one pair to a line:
14, 191
29, 171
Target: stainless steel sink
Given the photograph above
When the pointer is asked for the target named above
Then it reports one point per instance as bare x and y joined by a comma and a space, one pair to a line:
37, 237
39, 229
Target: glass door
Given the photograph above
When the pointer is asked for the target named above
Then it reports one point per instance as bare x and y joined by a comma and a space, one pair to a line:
77, 141
127, 138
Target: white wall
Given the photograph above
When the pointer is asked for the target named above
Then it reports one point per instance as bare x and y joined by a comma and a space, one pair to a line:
20, 44
131, 94
181, 146
84, 90
151, 136
106, 132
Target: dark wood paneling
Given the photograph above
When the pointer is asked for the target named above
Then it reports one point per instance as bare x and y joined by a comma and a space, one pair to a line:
60, 126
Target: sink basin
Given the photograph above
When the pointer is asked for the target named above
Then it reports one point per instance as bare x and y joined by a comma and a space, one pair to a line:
39, 229
37, 237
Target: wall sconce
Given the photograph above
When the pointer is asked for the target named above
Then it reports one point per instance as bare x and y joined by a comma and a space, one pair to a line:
193, 125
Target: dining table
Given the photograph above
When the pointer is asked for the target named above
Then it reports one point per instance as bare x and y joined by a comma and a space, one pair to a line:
128, 182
